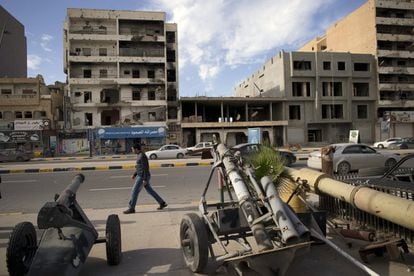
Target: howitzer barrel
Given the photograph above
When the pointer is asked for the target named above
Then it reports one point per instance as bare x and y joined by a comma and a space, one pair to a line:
386, 206
65, 197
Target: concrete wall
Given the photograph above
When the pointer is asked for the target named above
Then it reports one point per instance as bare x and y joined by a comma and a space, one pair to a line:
13, 51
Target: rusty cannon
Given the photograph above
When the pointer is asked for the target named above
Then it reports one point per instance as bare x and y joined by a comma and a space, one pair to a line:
66, 241
266, 232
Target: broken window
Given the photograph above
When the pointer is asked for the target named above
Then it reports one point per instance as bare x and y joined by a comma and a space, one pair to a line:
28, 114
170, 55
170, 37
87, 73
18, 115
103, 73
135, 74
326, 65
341, 66
136, 116
86, 51
151, 116
294, 112
136, 95
126, 72
87, 97
302, 65
88, 119
361, 89
151, 95
151, 74
330, 89
28, 92
358, 66
362, 112
171, 75
103, 52
6, 92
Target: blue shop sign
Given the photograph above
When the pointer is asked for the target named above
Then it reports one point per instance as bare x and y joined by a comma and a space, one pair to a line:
130, 132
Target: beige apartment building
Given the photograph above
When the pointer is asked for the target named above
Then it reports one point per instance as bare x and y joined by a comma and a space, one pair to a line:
384, 28
122, 69
322, 95
30, 112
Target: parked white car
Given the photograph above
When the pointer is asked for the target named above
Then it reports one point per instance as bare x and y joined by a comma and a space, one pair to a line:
352, 157
199, 148
386, 143
167, 151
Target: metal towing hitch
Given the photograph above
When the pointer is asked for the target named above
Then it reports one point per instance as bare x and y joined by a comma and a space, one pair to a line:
66, 241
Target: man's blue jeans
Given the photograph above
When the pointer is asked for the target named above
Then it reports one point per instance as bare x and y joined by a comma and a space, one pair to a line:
138, 187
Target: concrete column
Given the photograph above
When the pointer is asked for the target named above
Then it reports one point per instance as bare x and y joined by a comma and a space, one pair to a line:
271, 111
195, 110
247, 112
222, 111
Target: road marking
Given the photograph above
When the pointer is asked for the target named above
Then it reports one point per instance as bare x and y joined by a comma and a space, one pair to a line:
20, 181
128, 176
122, 188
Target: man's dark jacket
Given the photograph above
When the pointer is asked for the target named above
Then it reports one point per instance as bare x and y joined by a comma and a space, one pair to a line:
142, 167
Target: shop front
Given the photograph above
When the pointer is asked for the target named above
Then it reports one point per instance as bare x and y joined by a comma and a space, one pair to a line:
120, 140
22, 140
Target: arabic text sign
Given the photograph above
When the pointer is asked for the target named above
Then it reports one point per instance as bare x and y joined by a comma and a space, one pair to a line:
31, 124
132, 132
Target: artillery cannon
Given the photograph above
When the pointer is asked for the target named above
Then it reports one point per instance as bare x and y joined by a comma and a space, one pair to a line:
66, 242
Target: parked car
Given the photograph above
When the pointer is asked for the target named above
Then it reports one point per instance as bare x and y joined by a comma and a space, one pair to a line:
9, 155
352, 157
199, 148
405, 143
167, 151
247, 149
386, 143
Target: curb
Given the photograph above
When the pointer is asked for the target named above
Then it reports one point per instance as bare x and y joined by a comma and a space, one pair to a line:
82, 158
99, 168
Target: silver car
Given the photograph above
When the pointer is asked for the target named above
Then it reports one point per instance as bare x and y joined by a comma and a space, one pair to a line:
352, 157
167, 151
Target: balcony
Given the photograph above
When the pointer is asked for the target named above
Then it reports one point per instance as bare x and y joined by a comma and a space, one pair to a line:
395, 37
395, 86
82, 58
395, 54
92, 37
396, 70
395, 21
397, 4
11, 100
142, 38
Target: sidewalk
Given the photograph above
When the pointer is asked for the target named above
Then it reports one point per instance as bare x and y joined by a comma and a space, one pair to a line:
151, 245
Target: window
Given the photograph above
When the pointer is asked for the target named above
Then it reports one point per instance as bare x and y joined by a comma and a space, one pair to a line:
126, 72
136, 116
86, 51
302, 65
301, 89
103, 73
171, 75
170, 55
362, 112
87, 73
401, 63
103, 52
135, 74
28, 114
332, 111
1, 115
326, 65
330, 89
294, 112
18, 115
352, 150
170, 37
42, 113
341, 65
28, 92
361, 66
88, 119
151, 95
151, 74
136, 95
6, 91
151, 116
87, 97
361, 89
314, 135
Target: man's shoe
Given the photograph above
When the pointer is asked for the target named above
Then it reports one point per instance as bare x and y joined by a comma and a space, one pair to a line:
129, 211
162, 206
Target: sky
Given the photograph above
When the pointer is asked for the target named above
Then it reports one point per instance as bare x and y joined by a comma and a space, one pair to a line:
221, 42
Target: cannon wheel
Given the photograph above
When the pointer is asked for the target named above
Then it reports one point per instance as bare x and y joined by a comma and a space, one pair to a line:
21, 248
113, 240
194, 242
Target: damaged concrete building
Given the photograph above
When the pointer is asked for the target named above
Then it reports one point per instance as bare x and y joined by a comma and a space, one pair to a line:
322, 96
385, 29
122, 70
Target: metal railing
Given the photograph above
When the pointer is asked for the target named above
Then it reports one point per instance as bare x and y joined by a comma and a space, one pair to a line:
349, 213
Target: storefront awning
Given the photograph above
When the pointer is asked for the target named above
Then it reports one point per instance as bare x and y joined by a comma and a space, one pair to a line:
130, 132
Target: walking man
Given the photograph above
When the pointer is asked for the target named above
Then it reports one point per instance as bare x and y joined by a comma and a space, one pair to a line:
142, 178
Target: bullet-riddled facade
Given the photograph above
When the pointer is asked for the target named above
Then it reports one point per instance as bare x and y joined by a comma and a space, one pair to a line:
383, 28
122, 70
324, 95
